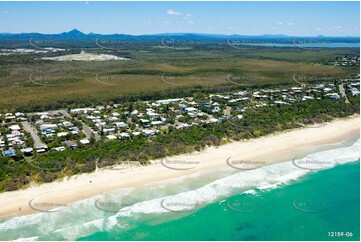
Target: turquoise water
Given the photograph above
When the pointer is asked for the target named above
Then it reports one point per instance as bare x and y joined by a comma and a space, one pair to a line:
276, 202
337, 188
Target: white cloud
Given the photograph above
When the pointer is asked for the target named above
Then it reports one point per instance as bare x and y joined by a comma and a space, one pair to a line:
173, 12
290, 23
279, 23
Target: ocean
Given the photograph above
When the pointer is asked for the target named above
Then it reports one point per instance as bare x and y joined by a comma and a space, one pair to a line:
291, 200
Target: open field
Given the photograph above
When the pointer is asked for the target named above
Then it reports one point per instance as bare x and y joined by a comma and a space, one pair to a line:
28, 82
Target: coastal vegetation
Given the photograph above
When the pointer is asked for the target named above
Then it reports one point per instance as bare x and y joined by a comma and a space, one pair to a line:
17, 173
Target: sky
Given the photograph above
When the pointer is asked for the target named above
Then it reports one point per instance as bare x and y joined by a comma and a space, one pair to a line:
136, 18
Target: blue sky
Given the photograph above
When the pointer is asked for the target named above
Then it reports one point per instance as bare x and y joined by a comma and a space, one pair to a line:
246, 18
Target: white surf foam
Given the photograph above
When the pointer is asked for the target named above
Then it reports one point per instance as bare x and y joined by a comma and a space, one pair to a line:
71, 222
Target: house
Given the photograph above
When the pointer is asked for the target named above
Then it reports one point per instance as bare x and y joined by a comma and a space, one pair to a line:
280, 102
152, 115
145, 123
110, 130
121, 125
148, 132
113, 119
67, 124
62, 134
9, 153
60, 148
306, 98
112, 137
84, 141
41, 149
73, 130
2, 144
334, 95
71, 144
27, 151
134, 112
48, 127
156, 123
212, 121
192, 115
19, 115
216, 110
14, 127
191, 110
125, 135
355, 92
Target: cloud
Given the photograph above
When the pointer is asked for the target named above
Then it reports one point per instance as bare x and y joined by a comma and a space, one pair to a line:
290, 23
5, 12
337, 27
279, 23
173, 12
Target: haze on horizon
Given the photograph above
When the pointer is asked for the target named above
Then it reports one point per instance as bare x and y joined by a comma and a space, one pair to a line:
138, 18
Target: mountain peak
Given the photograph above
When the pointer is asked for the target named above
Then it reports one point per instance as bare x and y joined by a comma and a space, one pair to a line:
74, 32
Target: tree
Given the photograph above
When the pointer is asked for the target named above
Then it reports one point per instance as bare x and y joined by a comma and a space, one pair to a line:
92, 140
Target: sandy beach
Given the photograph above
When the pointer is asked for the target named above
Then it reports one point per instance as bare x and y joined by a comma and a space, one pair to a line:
269, 149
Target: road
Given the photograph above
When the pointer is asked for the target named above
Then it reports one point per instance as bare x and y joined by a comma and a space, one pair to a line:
343, 94
88, 132
28, 127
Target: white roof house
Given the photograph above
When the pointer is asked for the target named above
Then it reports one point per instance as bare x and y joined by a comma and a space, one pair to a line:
121, 125
14, 127
191, 110
84, 141
333, 95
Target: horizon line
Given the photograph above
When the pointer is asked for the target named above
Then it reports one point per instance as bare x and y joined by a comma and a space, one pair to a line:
195, 33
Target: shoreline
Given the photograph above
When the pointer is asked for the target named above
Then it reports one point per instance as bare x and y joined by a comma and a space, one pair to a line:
273, 148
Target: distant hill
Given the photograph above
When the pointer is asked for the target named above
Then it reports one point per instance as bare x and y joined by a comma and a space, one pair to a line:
75, 36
